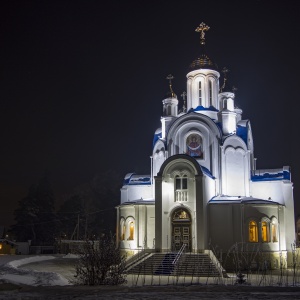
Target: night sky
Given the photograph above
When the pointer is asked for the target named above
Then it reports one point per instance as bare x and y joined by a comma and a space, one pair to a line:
82, 83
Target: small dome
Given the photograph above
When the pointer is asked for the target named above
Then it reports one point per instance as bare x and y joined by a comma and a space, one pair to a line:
170, 94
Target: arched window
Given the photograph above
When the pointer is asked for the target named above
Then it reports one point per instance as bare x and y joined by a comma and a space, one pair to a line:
131, 231
274, 231
265, 232
253, 236
200, 93
122, 230
181, 188
210, 93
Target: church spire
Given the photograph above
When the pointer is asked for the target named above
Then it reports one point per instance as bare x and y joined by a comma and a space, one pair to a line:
183, 95
171, 93
224, 71
170, 103
203, 62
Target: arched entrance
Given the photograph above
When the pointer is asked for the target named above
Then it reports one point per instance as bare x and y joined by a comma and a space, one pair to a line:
181, 229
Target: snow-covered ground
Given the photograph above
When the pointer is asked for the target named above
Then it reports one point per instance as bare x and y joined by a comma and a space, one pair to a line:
12, 271
48, 277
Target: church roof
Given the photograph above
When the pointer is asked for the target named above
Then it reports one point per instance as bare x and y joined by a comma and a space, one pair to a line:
271, 174
242, 131
134, 179
207, 172
200, 107
239, 199
140, 202
157, 136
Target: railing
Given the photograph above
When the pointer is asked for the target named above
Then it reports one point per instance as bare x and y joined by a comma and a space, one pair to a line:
181, 196
179, 254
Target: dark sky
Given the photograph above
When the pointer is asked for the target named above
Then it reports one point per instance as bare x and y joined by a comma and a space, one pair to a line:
82, 83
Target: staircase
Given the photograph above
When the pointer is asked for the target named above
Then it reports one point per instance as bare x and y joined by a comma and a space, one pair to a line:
189, 264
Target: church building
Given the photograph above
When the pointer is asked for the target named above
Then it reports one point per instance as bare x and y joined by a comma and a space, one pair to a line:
203, 189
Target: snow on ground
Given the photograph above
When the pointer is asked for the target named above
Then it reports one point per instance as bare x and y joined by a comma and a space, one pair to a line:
11, 272
31, 284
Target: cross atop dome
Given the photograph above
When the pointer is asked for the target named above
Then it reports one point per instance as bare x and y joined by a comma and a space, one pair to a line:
202, 28
170, 77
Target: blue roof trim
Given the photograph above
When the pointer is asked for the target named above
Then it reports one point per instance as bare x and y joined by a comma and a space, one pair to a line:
127, 178
200, 107
207, 172
220, 125
284, 175
242, 132
156, 137
133, 179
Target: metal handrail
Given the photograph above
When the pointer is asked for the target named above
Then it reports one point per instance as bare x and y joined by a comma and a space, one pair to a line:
179, 254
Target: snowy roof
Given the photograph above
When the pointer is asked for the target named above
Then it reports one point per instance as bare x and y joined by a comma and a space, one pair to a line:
239, 199
271, 174
157, 136
7, 241
207, 172
200, 107
139, 201
242, 131
133, 179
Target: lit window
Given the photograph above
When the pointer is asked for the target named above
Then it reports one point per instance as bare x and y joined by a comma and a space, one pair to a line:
265, 232
122, 230
253, 237
131, 231
0, 246
274, 233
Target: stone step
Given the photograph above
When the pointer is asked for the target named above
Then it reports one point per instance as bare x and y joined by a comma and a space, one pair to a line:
188, 265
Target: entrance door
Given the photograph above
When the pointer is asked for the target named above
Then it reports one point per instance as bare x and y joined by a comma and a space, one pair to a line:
181, 230
181, 235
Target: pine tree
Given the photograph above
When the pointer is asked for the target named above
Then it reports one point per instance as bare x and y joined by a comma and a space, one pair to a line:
70, 211
35, 217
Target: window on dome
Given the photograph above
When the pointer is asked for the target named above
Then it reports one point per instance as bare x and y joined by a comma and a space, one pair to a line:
200, 93
210, 93
194, 145
265, 232
253, 236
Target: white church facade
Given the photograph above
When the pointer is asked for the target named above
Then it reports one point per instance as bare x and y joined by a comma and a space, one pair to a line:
204, 189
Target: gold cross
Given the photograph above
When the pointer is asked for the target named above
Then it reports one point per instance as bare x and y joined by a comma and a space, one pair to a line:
202, 28
170, 77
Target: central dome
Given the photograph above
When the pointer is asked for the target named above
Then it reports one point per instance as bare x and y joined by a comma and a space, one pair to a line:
203, 62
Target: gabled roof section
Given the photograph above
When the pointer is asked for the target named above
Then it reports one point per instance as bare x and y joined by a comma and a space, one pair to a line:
157, 136
224, 199
200, 107
134, 179
272, 174
207, 172
242, 130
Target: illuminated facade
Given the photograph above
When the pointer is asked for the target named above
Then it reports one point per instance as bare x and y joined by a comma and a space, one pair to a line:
204, 188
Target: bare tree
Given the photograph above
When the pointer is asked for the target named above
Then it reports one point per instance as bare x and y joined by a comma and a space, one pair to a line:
100, 263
